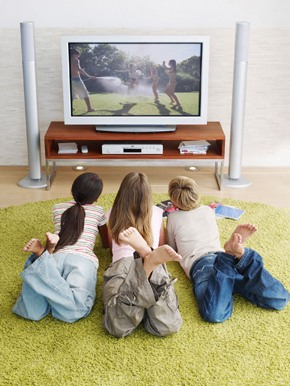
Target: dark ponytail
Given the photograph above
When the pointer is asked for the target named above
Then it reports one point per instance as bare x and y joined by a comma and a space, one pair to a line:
85, 190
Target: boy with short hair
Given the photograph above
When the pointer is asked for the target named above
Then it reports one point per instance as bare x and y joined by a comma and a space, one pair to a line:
217, 274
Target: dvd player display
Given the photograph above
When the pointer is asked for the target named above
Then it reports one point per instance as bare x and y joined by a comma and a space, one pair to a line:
132, 147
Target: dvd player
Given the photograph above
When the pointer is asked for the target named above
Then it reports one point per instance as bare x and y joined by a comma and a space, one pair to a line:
132, 147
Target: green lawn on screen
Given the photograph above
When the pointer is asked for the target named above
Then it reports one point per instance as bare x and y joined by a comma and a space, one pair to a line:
138, 105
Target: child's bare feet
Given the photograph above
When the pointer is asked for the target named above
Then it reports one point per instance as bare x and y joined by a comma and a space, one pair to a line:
51, 241
245, 230
132, 237
34, 246
234, 246
160, 255
152, 259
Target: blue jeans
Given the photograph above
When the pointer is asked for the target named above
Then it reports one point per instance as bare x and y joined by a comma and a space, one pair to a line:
216, 278
64, 283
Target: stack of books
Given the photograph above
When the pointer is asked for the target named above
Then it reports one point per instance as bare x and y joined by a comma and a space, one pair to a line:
193, 147
67, 148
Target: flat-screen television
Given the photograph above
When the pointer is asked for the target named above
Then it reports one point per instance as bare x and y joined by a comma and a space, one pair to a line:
135, 83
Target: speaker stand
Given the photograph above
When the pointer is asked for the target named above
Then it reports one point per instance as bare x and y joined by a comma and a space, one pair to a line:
241, 182
28, 183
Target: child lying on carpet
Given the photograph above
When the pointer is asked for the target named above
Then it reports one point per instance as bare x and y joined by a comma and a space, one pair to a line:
139, 288
216, 274
62, 277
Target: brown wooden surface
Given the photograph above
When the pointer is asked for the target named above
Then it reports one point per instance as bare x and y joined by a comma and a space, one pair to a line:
276, 193
87, 135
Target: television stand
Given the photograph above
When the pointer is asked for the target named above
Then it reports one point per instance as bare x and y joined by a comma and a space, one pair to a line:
86, 135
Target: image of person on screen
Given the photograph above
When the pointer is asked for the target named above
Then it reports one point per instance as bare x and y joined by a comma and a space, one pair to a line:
132, 74
154, 76
77, 85
170, 88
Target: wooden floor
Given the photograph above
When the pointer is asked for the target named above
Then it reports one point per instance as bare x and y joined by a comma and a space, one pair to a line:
270, 186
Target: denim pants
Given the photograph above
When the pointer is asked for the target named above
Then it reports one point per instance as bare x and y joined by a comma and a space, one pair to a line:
216, 278
64, 283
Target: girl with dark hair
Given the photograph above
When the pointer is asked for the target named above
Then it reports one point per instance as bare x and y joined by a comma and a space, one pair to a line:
170, 88
132, 74
61, 277
137, 284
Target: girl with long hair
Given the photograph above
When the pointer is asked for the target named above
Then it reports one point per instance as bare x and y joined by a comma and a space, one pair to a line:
170, 88
61, 277
137, 284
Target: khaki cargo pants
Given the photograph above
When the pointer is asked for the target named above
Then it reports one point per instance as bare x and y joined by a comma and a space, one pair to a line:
130, 298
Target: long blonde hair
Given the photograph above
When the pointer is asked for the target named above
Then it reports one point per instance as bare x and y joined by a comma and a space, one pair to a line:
133, 207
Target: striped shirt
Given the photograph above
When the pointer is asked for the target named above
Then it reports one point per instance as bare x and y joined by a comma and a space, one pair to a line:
94, 218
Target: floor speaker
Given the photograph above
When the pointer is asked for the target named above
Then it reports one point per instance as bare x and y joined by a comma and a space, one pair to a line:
235, 179
35, 179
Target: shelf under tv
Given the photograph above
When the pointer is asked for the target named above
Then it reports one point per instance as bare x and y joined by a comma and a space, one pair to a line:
87, 135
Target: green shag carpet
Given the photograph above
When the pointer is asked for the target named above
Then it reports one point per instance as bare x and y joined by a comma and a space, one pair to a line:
251, 348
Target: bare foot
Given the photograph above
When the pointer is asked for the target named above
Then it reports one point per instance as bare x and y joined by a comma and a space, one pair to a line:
91, 110
160, 255
34, 246
51, 241
133, 238
234, 246
245, 230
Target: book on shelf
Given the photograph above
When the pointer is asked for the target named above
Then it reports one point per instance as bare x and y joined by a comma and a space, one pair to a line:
67, 148
193, 147
196, 151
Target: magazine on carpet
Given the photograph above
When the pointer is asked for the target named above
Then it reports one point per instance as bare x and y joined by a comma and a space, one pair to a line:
221, 210
226, 212
231, 212
167, 207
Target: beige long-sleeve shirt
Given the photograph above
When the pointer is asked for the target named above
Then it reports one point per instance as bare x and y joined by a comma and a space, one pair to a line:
192, 234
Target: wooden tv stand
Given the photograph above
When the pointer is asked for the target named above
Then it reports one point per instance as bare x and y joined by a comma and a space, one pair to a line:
87, 135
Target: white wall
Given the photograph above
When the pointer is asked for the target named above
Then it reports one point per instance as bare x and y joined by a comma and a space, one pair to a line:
267, 127
147, 14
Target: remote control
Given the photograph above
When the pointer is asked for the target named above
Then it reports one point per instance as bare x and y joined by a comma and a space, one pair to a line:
84, 149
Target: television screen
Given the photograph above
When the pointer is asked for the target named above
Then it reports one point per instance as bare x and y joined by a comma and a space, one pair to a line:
135, 80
